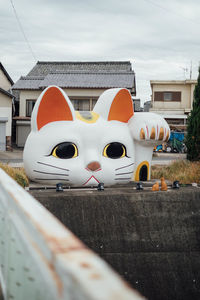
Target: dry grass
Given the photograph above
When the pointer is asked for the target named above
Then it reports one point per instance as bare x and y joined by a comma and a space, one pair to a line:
182, 170
18, 174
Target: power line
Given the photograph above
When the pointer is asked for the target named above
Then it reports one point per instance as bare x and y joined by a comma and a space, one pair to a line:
173, 12
22, 30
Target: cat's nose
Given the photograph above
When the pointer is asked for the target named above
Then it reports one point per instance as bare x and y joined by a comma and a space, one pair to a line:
93, 166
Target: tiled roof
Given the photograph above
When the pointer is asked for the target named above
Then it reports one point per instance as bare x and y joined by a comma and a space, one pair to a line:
78, 75
89, 80
28, 83
44, 68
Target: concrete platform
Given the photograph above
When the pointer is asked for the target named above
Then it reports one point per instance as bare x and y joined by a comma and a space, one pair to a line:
130, 186
151, 238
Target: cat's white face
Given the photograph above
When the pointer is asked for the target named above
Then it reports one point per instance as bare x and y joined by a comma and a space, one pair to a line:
84, 151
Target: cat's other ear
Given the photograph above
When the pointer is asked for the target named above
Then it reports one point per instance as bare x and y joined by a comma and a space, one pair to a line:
115, 104
51, 106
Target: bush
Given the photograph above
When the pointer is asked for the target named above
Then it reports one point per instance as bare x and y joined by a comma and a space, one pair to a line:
182, 170
18, 174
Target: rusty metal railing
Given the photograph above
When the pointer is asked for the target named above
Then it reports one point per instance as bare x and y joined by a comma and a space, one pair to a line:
42, 259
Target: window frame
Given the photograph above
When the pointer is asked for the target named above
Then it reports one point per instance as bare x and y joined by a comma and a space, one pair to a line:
90, 100
27, 106
176, 96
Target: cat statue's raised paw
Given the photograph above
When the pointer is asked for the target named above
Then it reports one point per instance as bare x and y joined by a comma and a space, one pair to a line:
108, 145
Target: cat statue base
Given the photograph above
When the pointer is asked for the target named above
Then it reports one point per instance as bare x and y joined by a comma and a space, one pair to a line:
109, 145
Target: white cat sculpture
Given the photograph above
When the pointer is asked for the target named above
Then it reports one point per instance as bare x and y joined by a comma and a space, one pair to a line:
109, 145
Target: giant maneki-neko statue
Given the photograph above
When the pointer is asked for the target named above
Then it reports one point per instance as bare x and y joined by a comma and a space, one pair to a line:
109, 145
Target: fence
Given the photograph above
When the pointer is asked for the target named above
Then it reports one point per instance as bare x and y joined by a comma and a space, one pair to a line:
42, 259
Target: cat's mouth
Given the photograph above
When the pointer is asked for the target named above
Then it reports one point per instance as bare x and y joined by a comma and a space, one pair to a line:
91, 181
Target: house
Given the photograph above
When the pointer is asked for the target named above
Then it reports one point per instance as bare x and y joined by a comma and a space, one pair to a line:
83, 82
136, 104
6, 100
147, 106
173, 100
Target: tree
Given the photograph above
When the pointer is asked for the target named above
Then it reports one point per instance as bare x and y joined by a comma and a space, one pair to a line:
193, 126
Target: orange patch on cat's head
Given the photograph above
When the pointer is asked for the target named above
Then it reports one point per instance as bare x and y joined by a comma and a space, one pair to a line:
122, 107
53, 107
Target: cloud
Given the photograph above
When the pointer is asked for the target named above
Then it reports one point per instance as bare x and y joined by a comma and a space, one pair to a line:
158, 37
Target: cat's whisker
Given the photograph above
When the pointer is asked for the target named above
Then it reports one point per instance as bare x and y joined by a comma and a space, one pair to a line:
123, 173
124, 167
123, 178
56, 179
48, 165
50, 173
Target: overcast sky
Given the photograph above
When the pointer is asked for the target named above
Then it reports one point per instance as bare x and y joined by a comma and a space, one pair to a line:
160, 38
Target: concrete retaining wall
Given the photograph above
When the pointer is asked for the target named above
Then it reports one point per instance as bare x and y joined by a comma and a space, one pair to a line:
41, 259
151, 238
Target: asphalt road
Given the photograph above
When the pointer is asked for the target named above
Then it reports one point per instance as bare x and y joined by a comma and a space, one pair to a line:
15, 158
167, 158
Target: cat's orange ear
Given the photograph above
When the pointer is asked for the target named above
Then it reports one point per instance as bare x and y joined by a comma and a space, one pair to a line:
52, 105
115, 104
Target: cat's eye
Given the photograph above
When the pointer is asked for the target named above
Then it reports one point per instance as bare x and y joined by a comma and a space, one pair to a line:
65, 150
114, 150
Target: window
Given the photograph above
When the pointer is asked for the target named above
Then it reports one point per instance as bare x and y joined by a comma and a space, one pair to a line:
94, 101
167, 96
82, 104
29, 107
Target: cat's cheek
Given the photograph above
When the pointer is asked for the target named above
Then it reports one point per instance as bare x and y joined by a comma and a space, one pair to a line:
117, 171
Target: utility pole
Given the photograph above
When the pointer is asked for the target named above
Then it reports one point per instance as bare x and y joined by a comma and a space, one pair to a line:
185, 70
191, 70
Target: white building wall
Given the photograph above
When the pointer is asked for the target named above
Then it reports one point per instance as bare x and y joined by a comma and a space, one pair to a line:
26, 95
192, 95
185, 96
75, 93
186, 87
4, 82
7, 112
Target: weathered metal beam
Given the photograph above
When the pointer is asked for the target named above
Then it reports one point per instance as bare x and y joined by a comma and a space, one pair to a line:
42, 259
